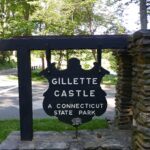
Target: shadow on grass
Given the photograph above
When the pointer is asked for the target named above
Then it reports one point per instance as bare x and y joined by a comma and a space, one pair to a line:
7, 126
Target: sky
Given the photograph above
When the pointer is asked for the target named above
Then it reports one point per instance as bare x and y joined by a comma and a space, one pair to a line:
131, 18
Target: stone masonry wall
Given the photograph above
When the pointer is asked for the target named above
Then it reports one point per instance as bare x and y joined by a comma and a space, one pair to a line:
141, 90
123, 89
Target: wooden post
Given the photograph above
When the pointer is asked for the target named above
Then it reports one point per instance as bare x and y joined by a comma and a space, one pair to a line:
25, 95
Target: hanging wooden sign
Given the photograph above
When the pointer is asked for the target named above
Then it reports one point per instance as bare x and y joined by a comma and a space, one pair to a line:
74, 95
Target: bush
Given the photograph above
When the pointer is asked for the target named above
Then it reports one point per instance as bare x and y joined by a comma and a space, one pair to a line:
7, 65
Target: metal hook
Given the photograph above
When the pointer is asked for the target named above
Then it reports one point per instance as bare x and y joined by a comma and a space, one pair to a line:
67, 53
48, 58
99, 56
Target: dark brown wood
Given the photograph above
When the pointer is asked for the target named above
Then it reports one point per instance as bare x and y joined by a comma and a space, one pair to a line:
65, 42
25, 94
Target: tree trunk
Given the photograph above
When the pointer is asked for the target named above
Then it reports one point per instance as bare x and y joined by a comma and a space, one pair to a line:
60, 59
43, 62
143, 14
94, 54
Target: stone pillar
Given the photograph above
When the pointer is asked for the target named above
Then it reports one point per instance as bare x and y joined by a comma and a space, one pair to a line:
141, 90
123, 118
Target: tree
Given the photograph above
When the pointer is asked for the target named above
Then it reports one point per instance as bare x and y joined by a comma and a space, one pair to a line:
15, 20
144, 13
59, 17
74, 17
144, 7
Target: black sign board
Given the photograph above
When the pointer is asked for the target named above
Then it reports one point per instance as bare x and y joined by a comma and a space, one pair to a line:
74, 95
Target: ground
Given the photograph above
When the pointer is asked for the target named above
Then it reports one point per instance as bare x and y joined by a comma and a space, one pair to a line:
104, 139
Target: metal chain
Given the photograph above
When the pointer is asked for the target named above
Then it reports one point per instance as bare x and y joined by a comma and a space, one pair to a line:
48, 58
99, 56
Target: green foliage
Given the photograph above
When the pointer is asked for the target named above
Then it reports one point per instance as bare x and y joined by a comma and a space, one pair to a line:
71, 17
85, 56
108, 55
8, 65
76, 17
20, 27
37, 77
110, 80
7, 126
4, 56
15, 20
59, 17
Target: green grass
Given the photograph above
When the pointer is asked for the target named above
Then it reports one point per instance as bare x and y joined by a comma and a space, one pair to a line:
37, 77
110, 80
7, 126
7, 65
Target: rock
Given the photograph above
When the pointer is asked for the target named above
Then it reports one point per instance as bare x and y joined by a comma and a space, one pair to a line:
87, 140
124, 90
141, 90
